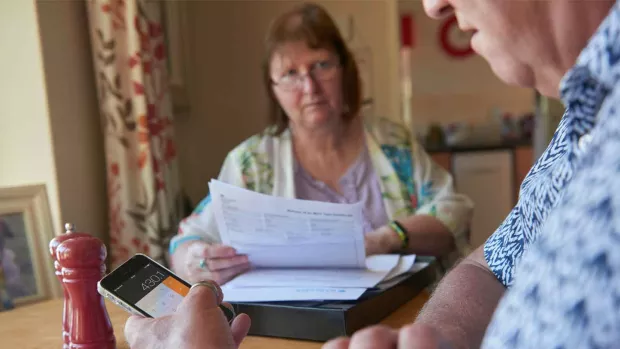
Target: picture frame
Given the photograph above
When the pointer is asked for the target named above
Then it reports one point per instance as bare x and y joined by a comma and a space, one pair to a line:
25, 232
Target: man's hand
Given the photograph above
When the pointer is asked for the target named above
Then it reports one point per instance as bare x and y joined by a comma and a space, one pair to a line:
382, 337
198, 323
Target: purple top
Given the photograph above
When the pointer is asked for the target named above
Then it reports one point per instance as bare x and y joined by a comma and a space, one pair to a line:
359, 183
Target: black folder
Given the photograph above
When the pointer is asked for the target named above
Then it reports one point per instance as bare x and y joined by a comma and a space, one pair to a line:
325, 320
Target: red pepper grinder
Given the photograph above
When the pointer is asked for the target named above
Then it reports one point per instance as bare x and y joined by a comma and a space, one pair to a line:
66, 315
82, 260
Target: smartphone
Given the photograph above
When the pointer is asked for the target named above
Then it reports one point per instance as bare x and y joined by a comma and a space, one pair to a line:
144, 287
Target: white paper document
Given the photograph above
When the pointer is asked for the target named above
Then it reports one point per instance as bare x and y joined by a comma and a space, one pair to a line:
405, 265
275, 294
378, 267
299, 249
239, 292
419, 266
278, 232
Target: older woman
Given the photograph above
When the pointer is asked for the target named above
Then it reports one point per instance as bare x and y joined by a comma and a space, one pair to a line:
319, 148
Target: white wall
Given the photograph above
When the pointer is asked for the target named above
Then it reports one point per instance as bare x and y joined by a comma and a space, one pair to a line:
49, 123
74, 115
26, 152
228, 104
446, 89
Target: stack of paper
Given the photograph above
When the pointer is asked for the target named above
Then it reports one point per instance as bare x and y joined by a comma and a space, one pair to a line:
299, 249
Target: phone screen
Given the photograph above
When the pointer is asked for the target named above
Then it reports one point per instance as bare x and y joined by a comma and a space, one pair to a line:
153, 289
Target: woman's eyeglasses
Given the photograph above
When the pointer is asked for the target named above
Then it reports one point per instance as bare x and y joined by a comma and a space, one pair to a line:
320, 71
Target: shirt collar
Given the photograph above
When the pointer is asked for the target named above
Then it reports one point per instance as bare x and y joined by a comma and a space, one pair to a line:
597, 69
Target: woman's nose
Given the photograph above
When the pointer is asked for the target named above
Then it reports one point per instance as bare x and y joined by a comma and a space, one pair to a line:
308, 84
437, 8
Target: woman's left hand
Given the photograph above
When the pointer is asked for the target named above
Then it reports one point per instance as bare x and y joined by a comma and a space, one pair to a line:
381, 241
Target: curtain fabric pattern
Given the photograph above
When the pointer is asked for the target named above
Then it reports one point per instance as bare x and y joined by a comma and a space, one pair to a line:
129, 52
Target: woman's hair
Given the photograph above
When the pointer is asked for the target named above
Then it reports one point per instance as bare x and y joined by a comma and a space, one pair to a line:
311, 24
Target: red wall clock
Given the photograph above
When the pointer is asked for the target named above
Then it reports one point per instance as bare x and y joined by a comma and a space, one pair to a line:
453, 41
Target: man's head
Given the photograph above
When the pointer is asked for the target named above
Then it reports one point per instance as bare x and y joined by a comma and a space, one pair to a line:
530, 43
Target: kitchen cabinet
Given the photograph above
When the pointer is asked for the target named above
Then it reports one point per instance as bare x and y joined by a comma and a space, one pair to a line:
486, 177
490, 177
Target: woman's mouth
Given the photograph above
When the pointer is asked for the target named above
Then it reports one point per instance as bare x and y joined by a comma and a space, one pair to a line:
314, 104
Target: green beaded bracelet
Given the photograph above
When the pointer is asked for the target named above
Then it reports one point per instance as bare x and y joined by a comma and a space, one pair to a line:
402, 234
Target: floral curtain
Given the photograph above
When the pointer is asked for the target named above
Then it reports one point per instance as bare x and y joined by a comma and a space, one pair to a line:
129, 53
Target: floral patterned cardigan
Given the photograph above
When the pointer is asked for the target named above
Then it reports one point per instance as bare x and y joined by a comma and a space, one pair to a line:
410, 182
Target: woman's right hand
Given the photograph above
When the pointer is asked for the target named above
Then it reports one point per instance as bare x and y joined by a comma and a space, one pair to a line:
197, 260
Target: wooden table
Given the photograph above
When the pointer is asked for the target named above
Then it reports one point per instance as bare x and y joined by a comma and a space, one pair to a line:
38, 326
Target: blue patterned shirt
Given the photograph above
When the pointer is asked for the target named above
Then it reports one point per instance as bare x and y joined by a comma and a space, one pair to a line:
562, 240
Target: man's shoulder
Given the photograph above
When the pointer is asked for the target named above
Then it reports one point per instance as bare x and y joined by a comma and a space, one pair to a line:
568, 282
538, 195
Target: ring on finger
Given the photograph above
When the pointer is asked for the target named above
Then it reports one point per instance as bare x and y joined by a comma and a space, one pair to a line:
228, 310
216, 290
202, 264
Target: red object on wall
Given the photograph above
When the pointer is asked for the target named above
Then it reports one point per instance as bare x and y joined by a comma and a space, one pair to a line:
407, 37
451, 48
